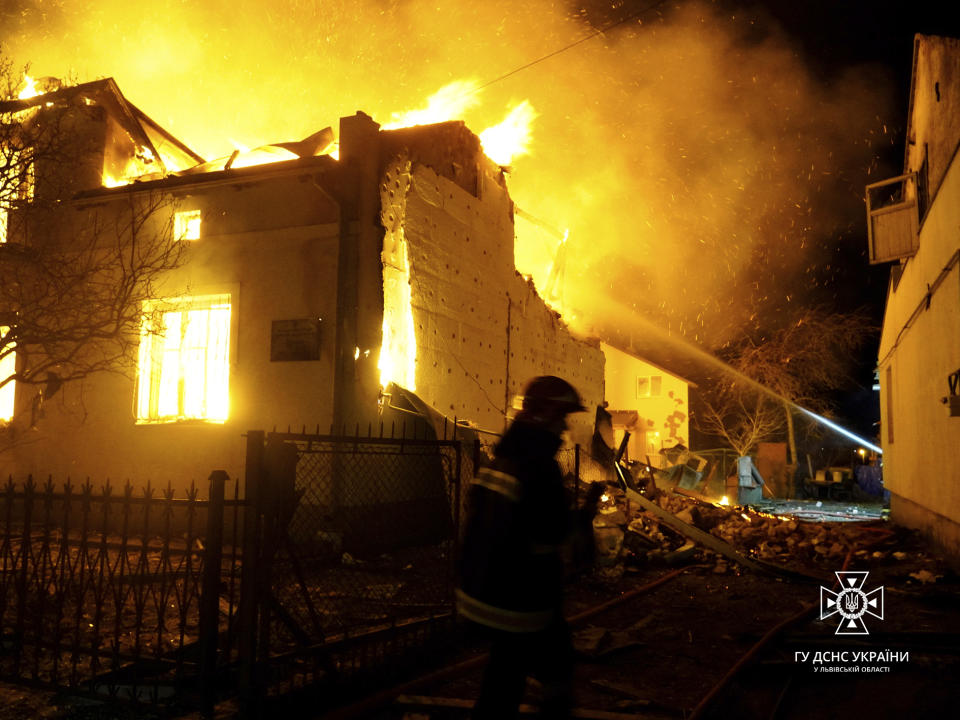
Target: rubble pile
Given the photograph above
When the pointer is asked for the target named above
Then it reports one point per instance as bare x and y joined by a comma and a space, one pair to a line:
628, 537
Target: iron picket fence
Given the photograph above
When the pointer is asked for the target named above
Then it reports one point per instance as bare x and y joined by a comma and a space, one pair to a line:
331, 565
117, 594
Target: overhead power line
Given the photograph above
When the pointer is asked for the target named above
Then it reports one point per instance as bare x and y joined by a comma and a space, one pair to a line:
595, 33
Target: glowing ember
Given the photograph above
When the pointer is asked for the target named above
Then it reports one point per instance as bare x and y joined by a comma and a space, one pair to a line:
263, 156
510, 138
29, 88
448, 103
110, 181
724, 500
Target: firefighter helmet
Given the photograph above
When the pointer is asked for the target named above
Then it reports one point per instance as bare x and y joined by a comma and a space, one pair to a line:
550, 395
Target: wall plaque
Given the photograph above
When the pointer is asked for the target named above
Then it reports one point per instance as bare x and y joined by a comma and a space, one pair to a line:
295, 340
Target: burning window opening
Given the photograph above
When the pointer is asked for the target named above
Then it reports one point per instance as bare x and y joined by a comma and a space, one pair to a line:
19, 185
8, 366
184, 360
187, 225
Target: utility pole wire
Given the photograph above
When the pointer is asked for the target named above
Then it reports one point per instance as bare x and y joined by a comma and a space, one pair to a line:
601, 31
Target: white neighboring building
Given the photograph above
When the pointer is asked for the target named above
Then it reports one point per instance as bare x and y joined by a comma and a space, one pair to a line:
915, 221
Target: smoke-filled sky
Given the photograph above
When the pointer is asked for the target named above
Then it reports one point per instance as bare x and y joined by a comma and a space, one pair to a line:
707, 157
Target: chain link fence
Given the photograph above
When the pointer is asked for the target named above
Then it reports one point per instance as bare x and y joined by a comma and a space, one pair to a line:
361, 567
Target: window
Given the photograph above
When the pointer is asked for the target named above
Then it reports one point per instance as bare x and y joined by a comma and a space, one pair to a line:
184, 362
649, 385
8, 366
18, 186
186, 225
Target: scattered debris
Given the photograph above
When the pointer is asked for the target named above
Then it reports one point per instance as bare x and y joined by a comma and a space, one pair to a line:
637, 529
925, 576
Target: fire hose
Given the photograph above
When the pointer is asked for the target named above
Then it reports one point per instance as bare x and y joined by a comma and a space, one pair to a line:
802, 614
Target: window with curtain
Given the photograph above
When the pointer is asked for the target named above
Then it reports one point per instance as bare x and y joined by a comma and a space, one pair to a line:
184, 363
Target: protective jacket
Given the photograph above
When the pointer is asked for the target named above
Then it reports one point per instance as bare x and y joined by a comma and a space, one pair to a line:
511, 571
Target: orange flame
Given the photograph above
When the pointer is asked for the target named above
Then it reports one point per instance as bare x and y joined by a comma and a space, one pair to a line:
29, 88
448, 103
510, 138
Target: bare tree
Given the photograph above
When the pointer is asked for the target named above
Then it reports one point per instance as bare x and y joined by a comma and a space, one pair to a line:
801, 363
740, 415
75, 271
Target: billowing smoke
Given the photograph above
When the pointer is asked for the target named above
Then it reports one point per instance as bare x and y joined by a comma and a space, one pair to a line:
704, 174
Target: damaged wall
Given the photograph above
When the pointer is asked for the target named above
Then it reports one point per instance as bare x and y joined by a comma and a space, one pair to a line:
481, 330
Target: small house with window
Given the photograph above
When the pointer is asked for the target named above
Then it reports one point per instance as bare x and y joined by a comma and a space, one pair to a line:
649, 402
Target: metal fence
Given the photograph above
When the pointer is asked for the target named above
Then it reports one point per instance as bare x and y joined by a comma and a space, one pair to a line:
330, 565
356, 544
115, 594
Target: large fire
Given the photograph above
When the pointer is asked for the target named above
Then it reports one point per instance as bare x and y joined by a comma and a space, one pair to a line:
502, 142
674, 207
450, 102
510, 138
29, 88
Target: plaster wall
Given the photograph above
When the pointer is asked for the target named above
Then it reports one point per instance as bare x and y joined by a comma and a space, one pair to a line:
935, 107
919, 348
664, 419
273, 246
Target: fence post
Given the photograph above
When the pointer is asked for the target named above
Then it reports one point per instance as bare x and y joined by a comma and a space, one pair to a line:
249, 582
26, 558
576, 472
210, 592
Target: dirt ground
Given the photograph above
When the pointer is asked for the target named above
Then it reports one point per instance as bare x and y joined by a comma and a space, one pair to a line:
659, 653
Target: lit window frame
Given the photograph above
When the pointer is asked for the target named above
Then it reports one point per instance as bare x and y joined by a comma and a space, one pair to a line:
24, 187
649, 386
8, 367
188, 225
161, 369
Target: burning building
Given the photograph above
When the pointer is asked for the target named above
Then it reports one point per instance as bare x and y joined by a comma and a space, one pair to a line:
913, 220
310, 281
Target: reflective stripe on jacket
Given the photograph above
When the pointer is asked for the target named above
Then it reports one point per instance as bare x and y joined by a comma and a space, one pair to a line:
501, 618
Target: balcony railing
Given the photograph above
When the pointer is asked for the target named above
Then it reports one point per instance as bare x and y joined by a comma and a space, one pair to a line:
893, 218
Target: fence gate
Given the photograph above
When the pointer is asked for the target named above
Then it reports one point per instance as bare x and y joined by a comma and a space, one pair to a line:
348, 557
